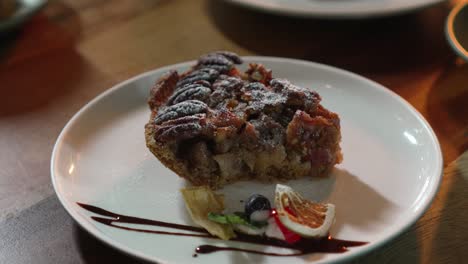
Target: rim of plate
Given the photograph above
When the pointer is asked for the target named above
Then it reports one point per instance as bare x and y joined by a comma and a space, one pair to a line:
434, 187
336, 10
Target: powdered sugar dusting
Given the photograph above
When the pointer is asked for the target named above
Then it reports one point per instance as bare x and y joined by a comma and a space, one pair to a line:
181, 109
196, 91
232, 100
204, 74
295, 95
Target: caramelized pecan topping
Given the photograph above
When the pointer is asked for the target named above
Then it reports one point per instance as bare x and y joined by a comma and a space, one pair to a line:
309, 134
254, 86
185, 108
230, 55
181, 128
225, 88
222, 61
162, 89
258, 73
208, 101
296, 96
204, 74
271, 133
263, 102
225, 118
196, 91
214, 124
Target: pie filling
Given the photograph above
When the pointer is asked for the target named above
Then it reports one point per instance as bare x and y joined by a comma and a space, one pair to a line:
214, 125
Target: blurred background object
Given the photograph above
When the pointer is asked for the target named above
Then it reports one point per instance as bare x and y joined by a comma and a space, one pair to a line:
329, 9
13, 13
457, 29
7, 8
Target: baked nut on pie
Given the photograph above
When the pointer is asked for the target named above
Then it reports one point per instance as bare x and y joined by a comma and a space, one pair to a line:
214, 125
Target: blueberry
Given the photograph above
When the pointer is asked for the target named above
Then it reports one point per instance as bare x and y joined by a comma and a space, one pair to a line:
255, 203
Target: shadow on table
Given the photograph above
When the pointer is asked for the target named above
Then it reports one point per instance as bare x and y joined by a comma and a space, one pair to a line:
448, 99
393, 44
93, 250
38, 62
7, 41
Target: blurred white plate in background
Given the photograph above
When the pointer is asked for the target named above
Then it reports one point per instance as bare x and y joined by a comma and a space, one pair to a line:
24, 10
336, 8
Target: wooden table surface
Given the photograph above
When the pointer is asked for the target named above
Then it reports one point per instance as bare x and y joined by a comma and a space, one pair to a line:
73, 50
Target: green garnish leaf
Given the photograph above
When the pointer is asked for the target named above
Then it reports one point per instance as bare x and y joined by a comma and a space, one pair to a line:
218, 218
233, 219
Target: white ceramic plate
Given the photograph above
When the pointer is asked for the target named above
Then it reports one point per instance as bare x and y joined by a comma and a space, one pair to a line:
391, 170
336, 8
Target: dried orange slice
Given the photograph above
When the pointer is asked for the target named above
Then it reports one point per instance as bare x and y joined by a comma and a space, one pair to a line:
301, 216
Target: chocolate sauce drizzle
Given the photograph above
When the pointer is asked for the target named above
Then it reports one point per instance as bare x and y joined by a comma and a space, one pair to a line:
304, 246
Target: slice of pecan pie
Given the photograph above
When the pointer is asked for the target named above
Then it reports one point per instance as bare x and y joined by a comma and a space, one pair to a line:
214, 125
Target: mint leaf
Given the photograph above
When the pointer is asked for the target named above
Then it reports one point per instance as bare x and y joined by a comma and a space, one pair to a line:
233, 219
218, 218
